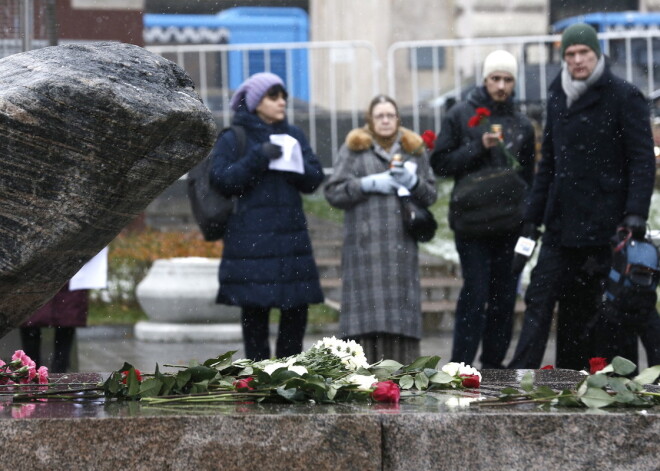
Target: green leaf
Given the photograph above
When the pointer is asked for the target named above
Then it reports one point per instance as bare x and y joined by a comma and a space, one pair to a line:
132, 383
150, 387
421, 381
624, 397
406, 382
527, 382
291, 394
596, 398
389, 365
622, 366
182, 378
441, 378
430, 371
618, 384
509, 391
648, 376
380, 373
168, 384
597, 380
544, 392
201, 373
568, 399
423, 362
220, 362
331, 392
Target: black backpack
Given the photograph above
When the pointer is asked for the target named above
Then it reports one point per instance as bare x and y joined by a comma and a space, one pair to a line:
210, 208
633, 278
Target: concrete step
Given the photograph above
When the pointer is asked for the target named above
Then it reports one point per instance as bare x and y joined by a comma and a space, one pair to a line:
327, 248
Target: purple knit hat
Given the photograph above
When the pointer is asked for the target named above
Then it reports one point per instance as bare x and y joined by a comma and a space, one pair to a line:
254, 89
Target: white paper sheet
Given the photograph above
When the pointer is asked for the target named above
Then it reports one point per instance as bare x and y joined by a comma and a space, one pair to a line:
291, 160
93, 274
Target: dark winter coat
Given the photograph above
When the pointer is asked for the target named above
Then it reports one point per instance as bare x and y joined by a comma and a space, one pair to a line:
459, 149
597, 163
65, 309
380, 267
267, 259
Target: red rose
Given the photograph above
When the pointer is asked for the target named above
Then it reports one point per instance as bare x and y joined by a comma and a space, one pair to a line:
244, 383
482, 112
471, 381
124, 376
480, 115
429, 137
596, 364
548, 367
386, 391
474, 121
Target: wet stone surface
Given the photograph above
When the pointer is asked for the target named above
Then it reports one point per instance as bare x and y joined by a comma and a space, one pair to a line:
436, 431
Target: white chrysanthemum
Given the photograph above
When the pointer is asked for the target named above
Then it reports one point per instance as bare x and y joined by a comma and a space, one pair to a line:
350, 353
361, 381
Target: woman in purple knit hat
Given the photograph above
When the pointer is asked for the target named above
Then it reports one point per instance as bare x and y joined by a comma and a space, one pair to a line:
267, 260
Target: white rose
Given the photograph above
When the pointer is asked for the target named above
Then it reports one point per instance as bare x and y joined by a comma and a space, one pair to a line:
301, 370
362, 381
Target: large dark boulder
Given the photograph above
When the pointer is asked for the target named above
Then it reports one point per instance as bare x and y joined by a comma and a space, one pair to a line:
89, 135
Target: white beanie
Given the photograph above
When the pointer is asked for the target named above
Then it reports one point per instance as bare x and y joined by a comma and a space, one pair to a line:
500, 61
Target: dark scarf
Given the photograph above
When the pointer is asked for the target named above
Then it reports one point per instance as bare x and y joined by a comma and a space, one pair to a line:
479, 97
256, 128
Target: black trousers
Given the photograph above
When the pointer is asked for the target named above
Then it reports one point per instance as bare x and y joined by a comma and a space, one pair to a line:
574, 278
254, 321
31, 342
484, 311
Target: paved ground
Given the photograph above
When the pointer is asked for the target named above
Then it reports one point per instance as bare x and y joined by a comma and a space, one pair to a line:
105, 349
102, 349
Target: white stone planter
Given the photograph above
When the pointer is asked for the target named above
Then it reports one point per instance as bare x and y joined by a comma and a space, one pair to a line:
183, 290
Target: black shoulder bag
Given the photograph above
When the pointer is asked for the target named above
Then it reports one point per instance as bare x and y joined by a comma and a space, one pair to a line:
210, 208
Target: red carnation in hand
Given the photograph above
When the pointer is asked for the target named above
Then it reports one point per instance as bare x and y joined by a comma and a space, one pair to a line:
471, 381
596, 364
480, 115
244, 383
124, 376
548, 367
429, 137
386, 391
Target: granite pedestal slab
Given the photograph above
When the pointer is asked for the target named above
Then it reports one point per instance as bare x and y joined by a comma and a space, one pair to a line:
436, 432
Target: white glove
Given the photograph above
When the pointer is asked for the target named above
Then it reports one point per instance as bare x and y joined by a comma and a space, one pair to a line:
404, 177
379, 183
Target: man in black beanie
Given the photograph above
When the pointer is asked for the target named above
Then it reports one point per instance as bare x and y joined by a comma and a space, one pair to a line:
596, 174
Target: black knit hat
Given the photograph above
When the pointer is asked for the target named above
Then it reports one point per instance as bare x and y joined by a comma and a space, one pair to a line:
580, 33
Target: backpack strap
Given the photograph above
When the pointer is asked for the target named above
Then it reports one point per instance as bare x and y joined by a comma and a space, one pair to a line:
241, 137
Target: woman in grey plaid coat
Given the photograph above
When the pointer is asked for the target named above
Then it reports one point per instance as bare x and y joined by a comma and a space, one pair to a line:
381, 305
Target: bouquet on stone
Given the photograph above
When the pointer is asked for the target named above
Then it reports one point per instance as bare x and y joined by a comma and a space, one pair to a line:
331, 371
22, 370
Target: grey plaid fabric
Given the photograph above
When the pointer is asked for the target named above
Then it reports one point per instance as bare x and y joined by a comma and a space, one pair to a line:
380, 269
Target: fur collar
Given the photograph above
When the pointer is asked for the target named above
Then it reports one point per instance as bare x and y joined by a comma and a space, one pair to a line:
360, 139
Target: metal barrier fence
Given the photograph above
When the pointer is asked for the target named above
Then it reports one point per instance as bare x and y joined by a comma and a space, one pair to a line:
429, 75
18, 29
323, 79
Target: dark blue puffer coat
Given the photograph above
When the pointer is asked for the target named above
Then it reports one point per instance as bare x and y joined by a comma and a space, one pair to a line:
267, 259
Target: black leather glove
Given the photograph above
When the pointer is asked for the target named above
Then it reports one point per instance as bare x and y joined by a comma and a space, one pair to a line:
528, 231
636, 225
270, 150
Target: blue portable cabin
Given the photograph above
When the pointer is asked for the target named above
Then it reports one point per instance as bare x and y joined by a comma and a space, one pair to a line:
253, 25
612, 21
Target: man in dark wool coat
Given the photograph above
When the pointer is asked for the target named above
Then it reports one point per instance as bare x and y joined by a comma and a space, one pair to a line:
596, 173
